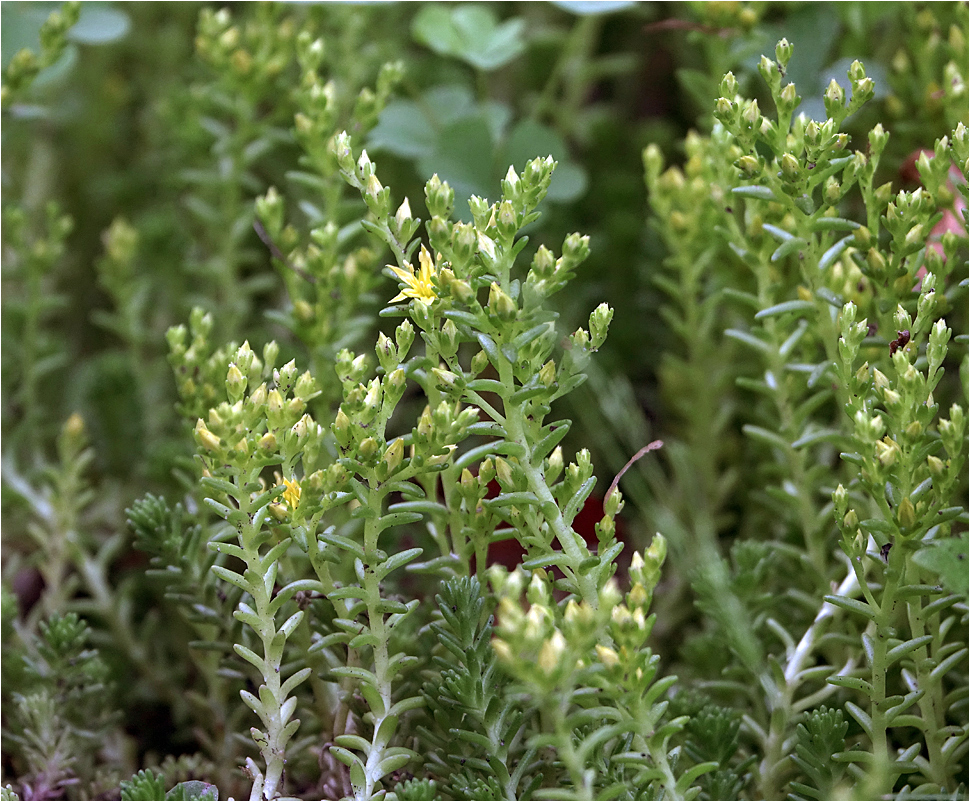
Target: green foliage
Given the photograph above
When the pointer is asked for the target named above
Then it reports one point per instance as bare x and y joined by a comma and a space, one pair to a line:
358, 548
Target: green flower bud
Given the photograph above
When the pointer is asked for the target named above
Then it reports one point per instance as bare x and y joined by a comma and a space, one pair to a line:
748, 165
486, 471
507, 221
449, 339
890, 398
724, 109
403, 215
880, 380
446, 379
914, 239
501, 304
267, 442
258, 396
729, 85
543, 263
783, 52
554, 464
295, 408
547, 374
876, 263
395, 382
790, 167
840, 499
834, 98
285, 377
599, 324
751, 114
887, 451
462, 291
404, 337
832, 192
936, 466
575, 248
906, 514
504, 472
341, 428
653, 161
302, 427
386, 352
913, 430
235, 383
789, 96
465, 241
368, 448
393, 456
862, 238
479, 363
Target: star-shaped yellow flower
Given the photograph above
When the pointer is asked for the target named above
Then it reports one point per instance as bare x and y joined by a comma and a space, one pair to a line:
292, 493
419, 286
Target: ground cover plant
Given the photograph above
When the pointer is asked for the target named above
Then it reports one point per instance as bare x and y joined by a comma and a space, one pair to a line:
529, 401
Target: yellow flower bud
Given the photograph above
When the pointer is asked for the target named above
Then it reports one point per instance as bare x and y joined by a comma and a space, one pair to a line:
205, 438
607, 656
551, 653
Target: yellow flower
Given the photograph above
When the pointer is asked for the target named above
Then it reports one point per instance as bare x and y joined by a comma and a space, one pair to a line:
292, 493
420, 286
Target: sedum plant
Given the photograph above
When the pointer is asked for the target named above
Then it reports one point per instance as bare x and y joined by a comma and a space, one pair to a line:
307, 585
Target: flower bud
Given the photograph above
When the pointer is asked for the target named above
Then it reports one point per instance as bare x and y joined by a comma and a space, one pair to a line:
501, 304
876, 262
751, 114
504, 473
789, 167
914, 238
341, 428
205, 438
446, 379
368, 448
302, 427
547, 374
394, 455
748, 165
887, 450
788, 96
479, 363
834, 98
607, 656
403, 214
724, 109
235, 383
936, 466
258, 397
783, 52
449, 339
551, 653
285, 376
599, 324
906, 514
729, 85
653, 160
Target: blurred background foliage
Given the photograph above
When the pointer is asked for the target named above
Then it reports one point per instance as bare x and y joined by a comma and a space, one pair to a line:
132, 163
